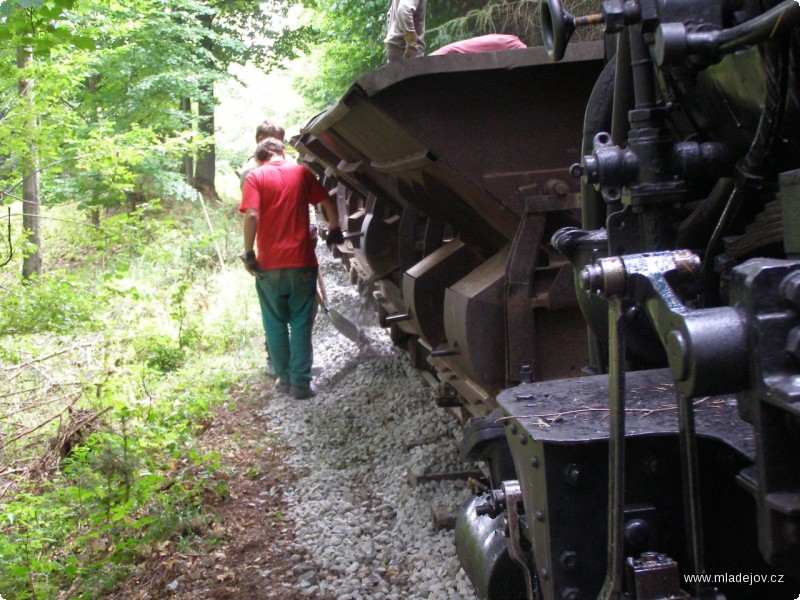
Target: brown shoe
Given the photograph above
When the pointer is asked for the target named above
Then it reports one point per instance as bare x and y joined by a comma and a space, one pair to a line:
300, 393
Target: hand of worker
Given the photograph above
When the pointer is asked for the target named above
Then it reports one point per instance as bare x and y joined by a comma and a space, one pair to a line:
334, 237
413, 48
250, 263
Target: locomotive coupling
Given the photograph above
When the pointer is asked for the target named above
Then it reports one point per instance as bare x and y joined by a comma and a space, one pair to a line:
494, 505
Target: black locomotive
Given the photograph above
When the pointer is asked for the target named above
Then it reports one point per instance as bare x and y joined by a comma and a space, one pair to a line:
596, 263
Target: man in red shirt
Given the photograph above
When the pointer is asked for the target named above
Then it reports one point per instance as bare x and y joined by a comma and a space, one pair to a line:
275, 202
266, 129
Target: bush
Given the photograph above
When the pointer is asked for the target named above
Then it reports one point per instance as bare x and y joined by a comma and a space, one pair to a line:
56, 302
159, 352
146, 289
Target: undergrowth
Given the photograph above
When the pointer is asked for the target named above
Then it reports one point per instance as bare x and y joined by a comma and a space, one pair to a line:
111, 364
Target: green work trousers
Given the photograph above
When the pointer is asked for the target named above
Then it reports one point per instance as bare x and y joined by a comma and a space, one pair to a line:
288, 307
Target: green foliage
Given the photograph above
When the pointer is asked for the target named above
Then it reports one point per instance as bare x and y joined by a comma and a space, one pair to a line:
258, 32
336, 66
65, 301
159, 352
122, 325
57, 302
10, 5
117, 494
115, 497
125, 235
350, 43
117, 88
516, 17
107, 169
133, 331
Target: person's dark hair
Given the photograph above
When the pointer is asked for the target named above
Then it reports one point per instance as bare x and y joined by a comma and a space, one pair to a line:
269, 129
268, 148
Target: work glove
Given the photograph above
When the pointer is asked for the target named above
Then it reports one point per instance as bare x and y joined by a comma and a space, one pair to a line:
250, 263
413, 47
334, 237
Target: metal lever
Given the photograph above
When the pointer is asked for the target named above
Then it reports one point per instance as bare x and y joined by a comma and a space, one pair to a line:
445, 352
512, 493
399, 317
612, 587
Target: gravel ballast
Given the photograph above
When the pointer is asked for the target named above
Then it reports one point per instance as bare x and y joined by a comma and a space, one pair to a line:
365, 531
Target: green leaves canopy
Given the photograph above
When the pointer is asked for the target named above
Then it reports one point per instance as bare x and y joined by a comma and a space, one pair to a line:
108, 80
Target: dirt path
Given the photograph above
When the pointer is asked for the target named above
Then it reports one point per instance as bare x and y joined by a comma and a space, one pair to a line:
248, 551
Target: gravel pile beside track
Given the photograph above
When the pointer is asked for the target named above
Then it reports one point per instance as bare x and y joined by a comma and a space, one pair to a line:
367, 531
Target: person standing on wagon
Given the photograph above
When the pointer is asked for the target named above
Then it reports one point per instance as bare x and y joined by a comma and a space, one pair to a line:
405, 37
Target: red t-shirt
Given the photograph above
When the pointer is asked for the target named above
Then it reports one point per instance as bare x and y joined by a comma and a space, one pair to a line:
483, 43
281, 192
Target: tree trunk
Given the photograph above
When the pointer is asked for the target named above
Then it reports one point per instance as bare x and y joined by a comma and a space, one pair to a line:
188, 159
32, 260
205, 169
132, 198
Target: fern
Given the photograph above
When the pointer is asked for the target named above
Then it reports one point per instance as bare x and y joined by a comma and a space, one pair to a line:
515, 17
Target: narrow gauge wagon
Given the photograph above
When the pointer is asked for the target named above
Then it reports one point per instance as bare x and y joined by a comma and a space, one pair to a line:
596, 263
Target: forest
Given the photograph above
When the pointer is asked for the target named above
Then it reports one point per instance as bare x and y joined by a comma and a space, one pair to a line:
122, 305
